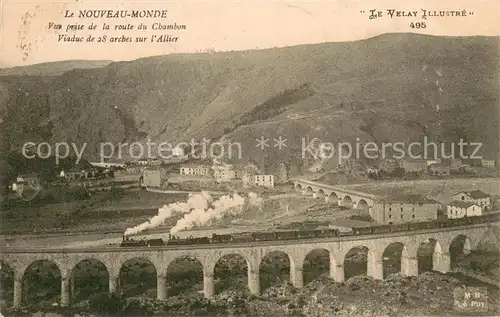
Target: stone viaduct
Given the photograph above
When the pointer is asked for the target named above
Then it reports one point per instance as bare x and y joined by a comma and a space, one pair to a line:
343, 197
208, 255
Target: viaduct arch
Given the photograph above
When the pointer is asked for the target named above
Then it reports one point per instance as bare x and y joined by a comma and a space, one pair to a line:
337, 195
113, 258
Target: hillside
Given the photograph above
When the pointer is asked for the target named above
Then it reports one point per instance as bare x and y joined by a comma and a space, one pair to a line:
51, 68
393, 87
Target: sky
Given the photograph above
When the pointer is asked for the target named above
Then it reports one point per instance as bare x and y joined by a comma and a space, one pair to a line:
219, 25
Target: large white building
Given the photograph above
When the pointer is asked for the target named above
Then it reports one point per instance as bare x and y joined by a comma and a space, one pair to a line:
405, 208
223, 172
460, 209
200, 170
264, 181
478, 197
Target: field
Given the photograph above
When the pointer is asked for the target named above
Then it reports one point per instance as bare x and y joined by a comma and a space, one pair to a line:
100, 211
441, 190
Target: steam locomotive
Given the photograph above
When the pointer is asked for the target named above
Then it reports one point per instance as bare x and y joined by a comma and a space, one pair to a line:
309, 234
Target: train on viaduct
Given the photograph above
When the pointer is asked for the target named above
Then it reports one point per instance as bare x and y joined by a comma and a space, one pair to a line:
113, 258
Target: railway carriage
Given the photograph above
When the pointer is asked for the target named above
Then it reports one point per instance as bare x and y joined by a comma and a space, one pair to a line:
221, 238
264, 236
382, 229
362, 230
133, 243
243, 237
461, 221
310, 234
155, 242
305, 235
286, 235
431, 225
416, 226
179, 242
329, 233
399, 227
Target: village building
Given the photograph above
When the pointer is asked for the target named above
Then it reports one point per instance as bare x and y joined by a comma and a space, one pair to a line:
108, 164
455, 164
223, 172
478, 197
487, 163
174, 160
460, 209
434, 161
466, 168
248, 179
439, 170
282, 176
24, 181
371, 170
239, 171
178, 151
388, 165
405, 208
246, 173
413, 166
153, 177
266, 181
152, 161
74, 174
200, 170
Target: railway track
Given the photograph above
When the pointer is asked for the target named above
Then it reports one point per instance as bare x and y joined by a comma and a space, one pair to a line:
117, 248
65, 233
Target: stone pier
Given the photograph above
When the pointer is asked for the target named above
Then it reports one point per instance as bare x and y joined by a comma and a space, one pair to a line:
441, 262
253, 282
65, 296
114, 285
409, 266
208, 285
375, 267
161, 287
18, 291
337, 272
296, 277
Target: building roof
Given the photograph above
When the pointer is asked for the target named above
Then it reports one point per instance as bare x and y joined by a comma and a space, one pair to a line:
476, 194
462, 204
411, 199
194, 166
222, 166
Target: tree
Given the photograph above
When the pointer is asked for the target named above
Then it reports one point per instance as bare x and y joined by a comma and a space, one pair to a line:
398, 172
106, 304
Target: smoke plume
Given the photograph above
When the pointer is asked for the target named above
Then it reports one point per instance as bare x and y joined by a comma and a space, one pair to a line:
200, 209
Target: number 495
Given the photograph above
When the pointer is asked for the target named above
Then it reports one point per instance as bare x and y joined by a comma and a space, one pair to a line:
418, 25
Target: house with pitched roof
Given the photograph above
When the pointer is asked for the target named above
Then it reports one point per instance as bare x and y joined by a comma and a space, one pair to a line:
478, 197
405, 208
460, 209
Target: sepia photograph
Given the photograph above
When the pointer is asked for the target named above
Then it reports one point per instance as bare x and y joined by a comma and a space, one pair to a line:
249, 158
